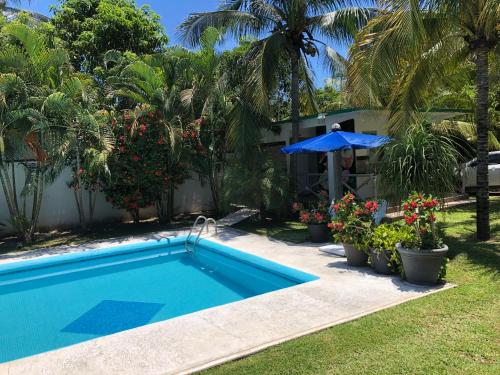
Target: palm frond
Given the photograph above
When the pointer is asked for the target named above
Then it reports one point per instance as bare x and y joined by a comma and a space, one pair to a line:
342, 24
234, 22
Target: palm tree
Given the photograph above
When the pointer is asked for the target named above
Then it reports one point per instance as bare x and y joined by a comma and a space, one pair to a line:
15, 130
86, 139
411, 47
292, 27
209, 100
30, 75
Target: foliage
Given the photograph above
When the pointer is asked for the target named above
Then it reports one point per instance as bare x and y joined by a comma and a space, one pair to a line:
329, 98
155, 81
353, 221
420, 214
412, 47
285, 33
89, 28
264, 186
31, 77
209, 98
418, 160
315, 215
139, 167
384, 239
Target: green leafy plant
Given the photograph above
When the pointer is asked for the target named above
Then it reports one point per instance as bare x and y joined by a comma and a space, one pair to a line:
316, 214
90, 28
418, 160
352, 221
384, 238
420, 214
264, 186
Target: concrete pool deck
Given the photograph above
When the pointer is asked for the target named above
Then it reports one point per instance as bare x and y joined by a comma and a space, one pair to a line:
209, 337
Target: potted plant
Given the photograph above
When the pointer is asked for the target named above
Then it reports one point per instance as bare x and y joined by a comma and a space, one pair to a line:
423, 258
316, 218
384, 257
351, 225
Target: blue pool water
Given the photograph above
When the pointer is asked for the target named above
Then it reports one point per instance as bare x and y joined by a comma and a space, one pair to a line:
50, 303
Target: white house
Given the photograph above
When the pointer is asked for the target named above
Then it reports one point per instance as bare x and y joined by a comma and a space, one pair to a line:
359, 166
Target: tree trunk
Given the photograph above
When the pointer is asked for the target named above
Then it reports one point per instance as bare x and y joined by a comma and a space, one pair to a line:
295, 96
482, 197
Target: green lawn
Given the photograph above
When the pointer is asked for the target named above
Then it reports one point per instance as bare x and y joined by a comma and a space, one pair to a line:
290, 231
452, 332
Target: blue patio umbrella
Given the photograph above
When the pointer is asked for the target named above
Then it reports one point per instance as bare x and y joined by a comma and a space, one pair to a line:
335, 141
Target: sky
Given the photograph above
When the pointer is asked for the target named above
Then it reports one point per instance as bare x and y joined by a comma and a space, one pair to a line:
173, 12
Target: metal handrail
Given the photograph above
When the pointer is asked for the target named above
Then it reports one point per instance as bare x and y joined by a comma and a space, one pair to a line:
198, 237
214, 222
191, 230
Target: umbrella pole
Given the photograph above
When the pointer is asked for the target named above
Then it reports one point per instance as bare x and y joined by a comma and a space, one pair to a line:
334, 175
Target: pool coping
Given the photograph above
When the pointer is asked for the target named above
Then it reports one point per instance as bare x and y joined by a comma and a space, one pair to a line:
269, 344
235, 326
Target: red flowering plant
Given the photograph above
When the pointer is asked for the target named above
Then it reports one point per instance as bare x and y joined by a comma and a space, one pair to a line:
141, 168
420, 214
353, 221
315, 215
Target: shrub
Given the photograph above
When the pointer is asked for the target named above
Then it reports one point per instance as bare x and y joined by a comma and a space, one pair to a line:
140, 169
384, 239
265, 185
418, 160
314, 215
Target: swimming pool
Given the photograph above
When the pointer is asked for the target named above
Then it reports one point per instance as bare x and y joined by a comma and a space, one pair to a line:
62, 300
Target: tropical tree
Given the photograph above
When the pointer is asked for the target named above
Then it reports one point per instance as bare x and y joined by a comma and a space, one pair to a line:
210, 100
293, 27
86, 140
153, 81
89, 28
411, 46
16, 137
31, 74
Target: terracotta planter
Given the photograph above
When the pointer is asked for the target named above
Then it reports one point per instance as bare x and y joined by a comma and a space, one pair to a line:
380, 261
422, 266
355, 257
319, 233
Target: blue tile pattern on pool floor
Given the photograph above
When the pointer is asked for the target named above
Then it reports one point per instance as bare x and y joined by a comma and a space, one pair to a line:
109, 317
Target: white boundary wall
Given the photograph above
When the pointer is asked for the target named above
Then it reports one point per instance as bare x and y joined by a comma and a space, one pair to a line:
59, 206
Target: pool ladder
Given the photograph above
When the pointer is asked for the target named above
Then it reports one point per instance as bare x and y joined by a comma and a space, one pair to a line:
190, 248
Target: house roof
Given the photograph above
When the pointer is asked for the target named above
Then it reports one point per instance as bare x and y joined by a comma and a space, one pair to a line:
356, 109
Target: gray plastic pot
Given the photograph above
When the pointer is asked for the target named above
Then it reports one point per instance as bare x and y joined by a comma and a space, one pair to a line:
355, 257
422, 266
380, 261
318, 232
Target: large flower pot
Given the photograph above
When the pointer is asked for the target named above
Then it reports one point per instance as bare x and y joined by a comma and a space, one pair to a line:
355, 257
422, 266
380, 261
318, 232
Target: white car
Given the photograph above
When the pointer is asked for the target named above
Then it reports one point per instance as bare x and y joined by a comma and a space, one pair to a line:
469, 171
